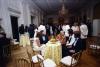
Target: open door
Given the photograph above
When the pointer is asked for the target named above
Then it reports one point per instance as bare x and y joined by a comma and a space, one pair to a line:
14, 24
32, 19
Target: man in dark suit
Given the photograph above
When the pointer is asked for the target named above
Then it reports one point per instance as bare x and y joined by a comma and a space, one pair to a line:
31, 30
43, 38
21, 29
77, 45
51, 29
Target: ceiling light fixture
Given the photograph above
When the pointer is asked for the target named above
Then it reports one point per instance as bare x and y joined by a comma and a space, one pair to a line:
63, 12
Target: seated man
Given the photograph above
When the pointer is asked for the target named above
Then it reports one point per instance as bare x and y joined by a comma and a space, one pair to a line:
76, 46
43, 38
71, 37
69, 43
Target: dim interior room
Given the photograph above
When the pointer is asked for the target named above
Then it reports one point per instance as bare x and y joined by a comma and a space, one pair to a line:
49, 33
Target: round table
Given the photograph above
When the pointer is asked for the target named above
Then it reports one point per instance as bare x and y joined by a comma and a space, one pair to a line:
53, 51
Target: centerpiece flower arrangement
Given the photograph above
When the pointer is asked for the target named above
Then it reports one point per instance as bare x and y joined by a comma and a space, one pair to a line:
53, 39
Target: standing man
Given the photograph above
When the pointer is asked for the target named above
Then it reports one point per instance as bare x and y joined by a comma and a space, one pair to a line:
21, 29
84, 33
65, 28
31, 30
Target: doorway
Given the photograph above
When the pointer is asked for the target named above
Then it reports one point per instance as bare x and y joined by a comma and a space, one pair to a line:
14, 24
32, 19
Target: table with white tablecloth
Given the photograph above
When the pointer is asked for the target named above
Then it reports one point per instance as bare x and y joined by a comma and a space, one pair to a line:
53, 51
24, 40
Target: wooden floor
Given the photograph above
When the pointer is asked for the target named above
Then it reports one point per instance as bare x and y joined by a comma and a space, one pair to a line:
87, 59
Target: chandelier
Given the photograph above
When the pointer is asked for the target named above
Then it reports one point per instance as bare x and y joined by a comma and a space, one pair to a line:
63, 12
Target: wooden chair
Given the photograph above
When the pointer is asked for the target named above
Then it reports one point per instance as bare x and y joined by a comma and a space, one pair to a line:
94, 46
44, 62
71, 60
38, 61
21, 62
48, 63
6, 51
14, 44
90, 42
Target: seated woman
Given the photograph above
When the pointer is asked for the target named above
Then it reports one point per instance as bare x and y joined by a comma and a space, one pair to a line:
61, 37
36, 44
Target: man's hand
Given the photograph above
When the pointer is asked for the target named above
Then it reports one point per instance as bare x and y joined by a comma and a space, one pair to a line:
69, 46
72, 51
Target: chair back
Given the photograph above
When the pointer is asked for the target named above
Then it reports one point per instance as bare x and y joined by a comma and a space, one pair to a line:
32, 63
98, 40
6, 51
94, 46
76, 58
21, 62
29, 55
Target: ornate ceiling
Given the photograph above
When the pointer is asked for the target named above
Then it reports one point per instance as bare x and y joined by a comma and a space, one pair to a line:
52, 6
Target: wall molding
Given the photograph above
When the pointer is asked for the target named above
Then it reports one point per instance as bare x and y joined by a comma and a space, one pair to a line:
14, 10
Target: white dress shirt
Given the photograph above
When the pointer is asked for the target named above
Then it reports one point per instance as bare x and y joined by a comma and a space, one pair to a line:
71, 41
84, 31
76, 39
43, 37
51, 31
75, 28
65, 29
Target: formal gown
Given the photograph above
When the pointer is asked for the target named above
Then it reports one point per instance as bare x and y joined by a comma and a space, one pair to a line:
38, 47
36, 44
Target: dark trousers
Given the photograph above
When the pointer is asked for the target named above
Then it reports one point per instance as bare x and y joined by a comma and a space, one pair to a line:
2, 63
67, 39
84, 44
65, 51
